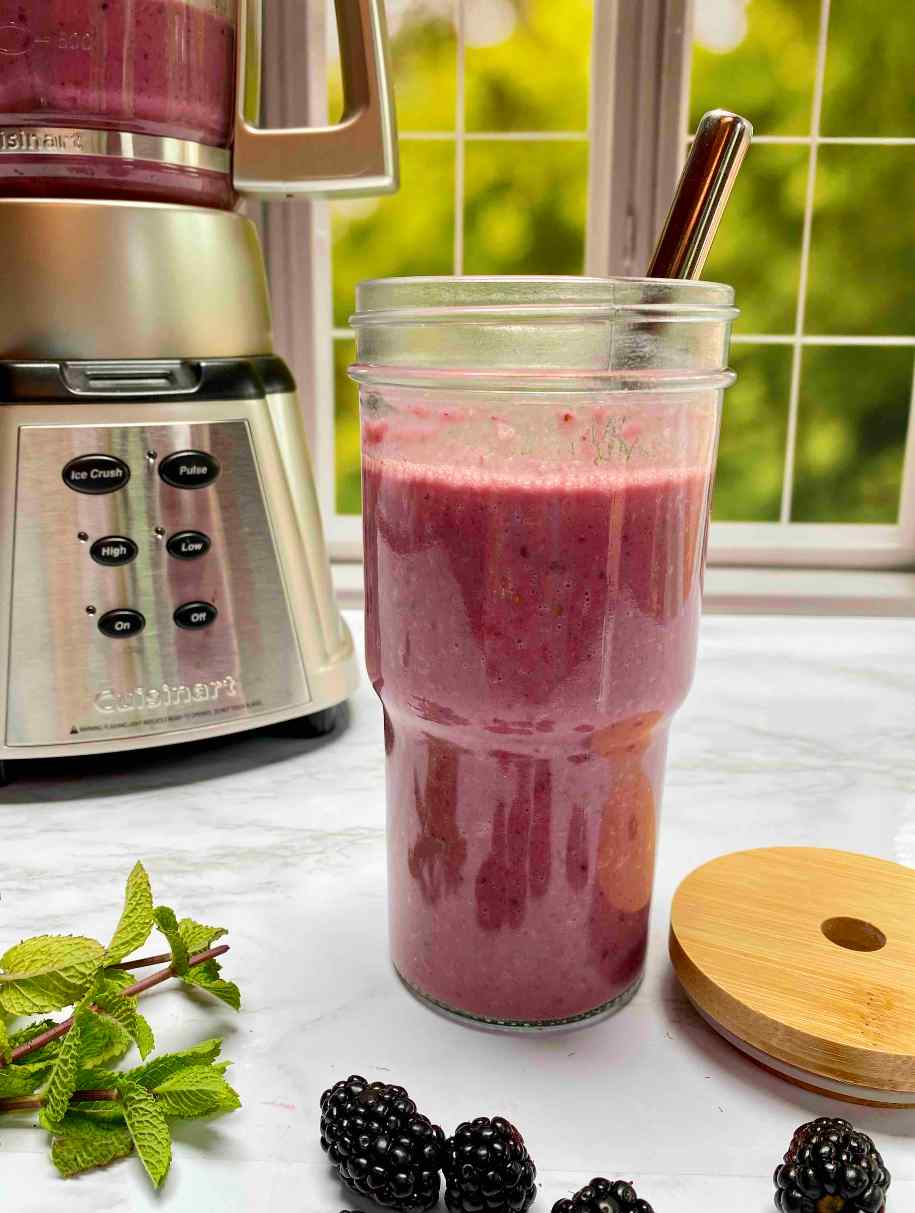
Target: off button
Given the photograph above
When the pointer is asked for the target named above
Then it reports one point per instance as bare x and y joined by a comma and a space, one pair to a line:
194, 615
188, 545
121, 623
96, 474
189, 469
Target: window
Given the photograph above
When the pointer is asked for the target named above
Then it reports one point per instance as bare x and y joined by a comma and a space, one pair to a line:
500, 124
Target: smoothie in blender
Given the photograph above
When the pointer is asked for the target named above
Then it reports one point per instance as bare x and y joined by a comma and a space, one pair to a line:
153, 67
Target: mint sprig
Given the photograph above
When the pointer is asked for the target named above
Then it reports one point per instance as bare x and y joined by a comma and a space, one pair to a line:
96, 1114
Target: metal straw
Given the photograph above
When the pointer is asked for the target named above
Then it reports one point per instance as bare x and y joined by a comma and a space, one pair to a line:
703, 190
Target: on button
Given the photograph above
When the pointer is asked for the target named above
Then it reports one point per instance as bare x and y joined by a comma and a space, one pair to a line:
121, 623
188, 545
189, 469
193, 615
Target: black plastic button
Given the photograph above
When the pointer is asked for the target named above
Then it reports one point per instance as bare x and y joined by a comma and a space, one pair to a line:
96, 474
195, 615
189, 469
121, 623
188, 545
113, 549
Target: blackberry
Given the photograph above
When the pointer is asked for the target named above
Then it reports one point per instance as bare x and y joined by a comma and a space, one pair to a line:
380, 1145
831, 1168
488, 1169
604, 1196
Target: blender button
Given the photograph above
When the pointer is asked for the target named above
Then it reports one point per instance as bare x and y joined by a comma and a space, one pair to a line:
96, 474
188, 545
189, 469
121, 623
195, 615
113, 550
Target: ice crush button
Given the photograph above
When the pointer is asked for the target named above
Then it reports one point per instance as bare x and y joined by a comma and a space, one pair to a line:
96, 474
195, 615
189, 469
113, 550
121, 623
188, 545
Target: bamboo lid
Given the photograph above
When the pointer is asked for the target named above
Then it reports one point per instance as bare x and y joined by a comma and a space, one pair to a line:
805, 960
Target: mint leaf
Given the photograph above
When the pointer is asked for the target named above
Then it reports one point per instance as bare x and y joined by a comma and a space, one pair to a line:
105, 1110
136, 919
21, 1080
30, 1031
47, 973
167, 1064
149, 1130
168, 925
206, 977
5, 1046
66, 1067
104, 1040
81, 1143
196, 1091
124, 1012
197, 937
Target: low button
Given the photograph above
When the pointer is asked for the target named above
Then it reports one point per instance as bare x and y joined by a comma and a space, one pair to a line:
96, 474
121, 623
113, 550
189, 469
188, 545
193, 615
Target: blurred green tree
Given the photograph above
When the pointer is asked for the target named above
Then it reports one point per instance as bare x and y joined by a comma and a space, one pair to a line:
527, 70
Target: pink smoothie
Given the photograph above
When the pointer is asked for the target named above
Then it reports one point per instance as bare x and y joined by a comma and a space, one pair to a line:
530, 635
155, 67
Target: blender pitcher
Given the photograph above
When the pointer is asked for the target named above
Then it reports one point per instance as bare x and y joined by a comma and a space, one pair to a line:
157, 100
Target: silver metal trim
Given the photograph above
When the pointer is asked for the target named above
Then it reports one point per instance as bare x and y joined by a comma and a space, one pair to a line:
120, 145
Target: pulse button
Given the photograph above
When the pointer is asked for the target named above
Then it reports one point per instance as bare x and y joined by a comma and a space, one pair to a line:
113, 550
188, 545
189, 469
96, 474
121, 623
194, 615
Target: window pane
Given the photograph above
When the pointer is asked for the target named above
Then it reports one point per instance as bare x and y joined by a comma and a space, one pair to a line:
349, 478
525, 207
870, 66
411, 232
852, 422
423, 64
751, 457
757, 58
758, 249
862, 257
527, 64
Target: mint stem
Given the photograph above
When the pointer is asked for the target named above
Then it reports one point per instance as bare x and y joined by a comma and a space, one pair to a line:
29, 1103
139, 987
143, 963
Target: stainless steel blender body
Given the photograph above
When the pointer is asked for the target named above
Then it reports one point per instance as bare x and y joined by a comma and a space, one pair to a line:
163, 574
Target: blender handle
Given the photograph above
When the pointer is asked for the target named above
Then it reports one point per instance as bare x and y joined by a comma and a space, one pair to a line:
356, 156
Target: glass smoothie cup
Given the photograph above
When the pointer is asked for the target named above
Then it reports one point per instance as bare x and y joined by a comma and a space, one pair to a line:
538, 458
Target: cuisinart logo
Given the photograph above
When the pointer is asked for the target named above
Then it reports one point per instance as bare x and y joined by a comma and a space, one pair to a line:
25, 140
147, 699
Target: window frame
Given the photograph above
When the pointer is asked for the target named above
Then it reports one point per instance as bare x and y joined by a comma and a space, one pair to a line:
648, 44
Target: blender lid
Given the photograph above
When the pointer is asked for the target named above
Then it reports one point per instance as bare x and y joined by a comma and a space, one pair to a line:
130, 280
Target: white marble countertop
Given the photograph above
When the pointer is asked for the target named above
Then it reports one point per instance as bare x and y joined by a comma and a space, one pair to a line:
798, 731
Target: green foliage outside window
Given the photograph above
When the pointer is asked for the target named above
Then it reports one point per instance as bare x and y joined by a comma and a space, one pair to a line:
527, 69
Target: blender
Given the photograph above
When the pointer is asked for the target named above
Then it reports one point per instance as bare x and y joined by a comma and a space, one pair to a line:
163, 573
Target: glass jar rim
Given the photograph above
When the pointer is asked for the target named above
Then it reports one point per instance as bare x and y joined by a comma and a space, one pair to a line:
438, 298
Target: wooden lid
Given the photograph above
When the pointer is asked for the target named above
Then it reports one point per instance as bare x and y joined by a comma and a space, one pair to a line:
807, 958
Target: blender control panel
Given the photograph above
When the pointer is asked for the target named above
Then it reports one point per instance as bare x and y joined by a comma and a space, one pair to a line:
148, 596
